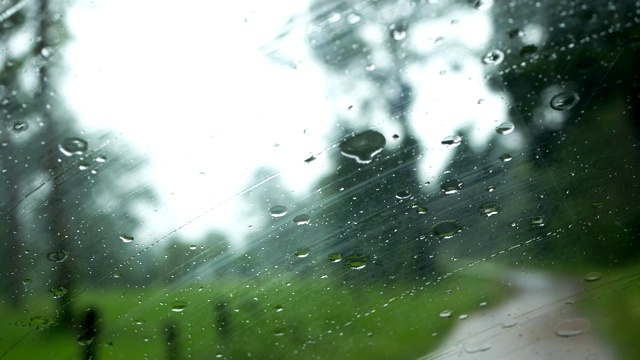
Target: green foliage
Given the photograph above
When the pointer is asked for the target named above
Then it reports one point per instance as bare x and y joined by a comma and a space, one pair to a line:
272, 318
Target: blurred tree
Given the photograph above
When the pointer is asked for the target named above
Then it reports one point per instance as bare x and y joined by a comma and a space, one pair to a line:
370, 219
70, 204
585, 148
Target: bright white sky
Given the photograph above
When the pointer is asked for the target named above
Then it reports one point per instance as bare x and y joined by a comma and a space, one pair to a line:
186, 83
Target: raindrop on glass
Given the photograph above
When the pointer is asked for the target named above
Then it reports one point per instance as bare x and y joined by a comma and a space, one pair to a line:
516, 33
452, 140
46, 51
446, 229
353, 18
335, 258
537, 221
446, 313
302, 219
592, 276
493, 57
477, 347
58, 256
509, 323
528, 51
483, 4
564, 101
58, 292
334, 17
403, 194
85, 340
178, 306
279, 331
301, 253
572, 327
356, 262
451, 186
463, 317
73, 146
398, 34
126, 238
439, 40
489, 209
364, 146
421, 210
40, 322
278, 211
370, 67
490, 188
505, 157
505, 128
278, 308
193, 247
19, 126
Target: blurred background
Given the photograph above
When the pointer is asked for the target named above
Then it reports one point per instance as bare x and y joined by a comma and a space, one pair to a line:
368, 179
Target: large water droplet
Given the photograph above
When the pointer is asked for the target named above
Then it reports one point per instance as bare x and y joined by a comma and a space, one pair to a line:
302, 219
489, 209
73, 146
403, 194
446, 229
58, 292
40, 322
58, 256
451, 186
335, 257
278, 308
126, 238
356, 262
493, 57
572, 327
278, 211
452, 140
564, 101
279, 331
179, 306
446, 313
364, 146
592, 276
505, 128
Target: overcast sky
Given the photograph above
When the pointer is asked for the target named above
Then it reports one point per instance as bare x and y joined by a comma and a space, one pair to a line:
189, 86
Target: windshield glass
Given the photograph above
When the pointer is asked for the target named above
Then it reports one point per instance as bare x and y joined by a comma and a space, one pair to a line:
361, 179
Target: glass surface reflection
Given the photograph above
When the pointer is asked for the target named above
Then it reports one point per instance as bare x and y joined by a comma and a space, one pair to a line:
319, 179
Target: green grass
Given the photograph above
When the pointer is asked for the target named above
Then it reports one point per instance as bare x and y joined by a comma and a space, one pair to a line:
270, 318
612, 304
